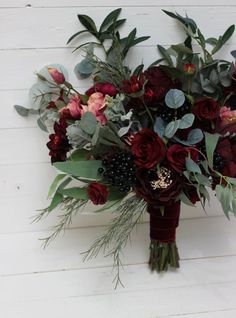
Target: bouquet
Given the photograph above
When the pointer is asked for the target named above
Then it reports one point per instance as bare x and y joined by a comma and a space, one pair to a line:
139, 140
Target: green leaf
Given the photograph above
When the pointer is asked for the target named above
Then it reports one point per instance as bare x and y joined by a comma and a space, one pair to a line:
159, 126
108, 205
75, 35
55, 183
110, 18
186, 121
84, 68
211, 141
140, 39
22, 111
192, 166
87, 169
211, 41
115, 25
174, 98
194, 137
228, 33
181, 48
88, 123
203, 180
138, 70
232, 180
88, 23
171, 128
79, 154
183, 197
76, 193
42, 125
233, 53
165, 54
56, 200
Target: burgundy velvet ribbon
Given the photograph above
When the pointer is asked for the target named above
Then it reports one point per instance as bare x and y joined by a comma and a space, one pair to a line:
163, 227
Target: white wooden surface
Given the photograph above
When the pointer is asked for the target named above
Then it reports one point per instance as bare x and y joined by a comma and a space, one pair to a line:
55, 282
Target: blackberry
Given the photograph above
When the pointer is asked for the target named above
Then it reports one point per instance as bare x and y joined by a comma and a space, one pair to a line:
184, 109
119, 170
168, 114
218, 162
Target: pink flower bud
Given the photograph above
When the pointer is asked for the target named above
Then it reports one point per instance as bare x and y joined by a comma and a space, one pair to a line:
57, 76
189, 68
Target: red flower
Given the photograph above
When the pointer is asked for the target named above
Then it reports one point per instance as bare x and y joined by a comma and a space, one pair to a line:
98, 193
147, 148
227, 149
189, 68
177, 155
133, 85
104, 88
159, 196
58, 144
57, 76
206, 109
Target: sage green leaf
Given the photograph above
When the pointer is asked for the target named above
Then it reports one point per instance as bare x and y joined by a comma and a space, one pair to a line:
87, 169
79, 154
228, 33
55, 183
159, 126
171, 128
56, 200
192, 166
181, 48
186, 121
75, 35
211, 41
85, 68
140, 39
232, 180
203, 179
76, 193
174, 98
22, 111
88, 123
42, 125
115, 25
183, 197
211, 141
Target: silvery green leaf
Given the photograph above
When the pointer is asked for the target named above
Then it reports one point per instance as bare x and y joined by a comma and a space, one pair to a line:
159, 126
233, 53
41, 94
22, 111
192, 166
53, 115
194, 137
84, 69
77, 137
42, 125
96, 135
214, 77
88, 123
174, 98
124, 130
183, 197
115, 108
127, 116
211, 141
186, 121
171, 128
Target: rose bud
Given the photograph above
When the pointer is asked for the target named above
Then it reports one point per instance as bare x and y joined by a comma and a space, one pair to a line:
57, 76
98, 193
189, 69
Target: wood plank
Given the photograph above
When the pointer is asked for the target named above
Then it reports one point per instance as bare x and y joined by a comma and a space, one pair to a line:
17, 26
98, 281
145, 303
197, 238
227, 313
110, 3
19, 66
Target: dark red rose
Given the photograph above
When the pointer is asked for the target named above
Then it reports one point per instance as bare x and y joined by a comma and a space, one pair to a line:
104, 88
98, 193
147, 148
206, 109
177, 155
189, 68
159, 196
158, 84
133, 85
58, 144
227, 149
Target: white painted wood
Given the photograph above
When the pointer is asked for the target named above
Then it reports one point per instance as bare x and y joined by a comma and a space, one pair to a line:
63, 22
101, 3
55, 282
197, 238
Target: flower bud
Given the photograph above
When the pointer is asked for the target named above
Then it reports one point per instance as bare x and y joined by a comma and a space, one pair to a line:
57, 76
189, 68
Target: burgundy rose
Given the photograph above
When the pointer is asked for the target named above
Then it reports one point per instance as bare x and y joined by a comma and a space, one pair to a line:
104, 88
227, 150
177, 155
58, 144
147, 148
133, 85
158, 196
98, 193
206, 109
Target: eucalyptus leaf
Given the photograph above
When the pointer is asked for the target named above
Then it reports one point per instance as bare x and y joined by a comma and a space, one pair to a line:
186, 121
211, 141
55, 183
76, 193
42, 125
174, 98
22, 111
88, 123
85, 68
192, 166
171, 128
159, 126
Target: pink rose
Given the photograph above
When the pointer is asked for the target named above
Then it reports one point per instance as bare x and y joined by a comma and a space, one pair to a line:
96, 105
57, 76
73, 108
227, 115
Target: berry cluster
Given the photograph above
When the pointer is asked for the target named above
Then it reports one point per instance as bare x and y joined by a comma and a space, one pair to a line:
168, 114
119, 170
218, 162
